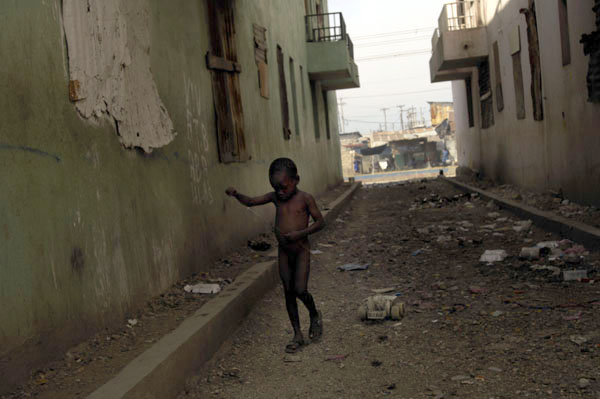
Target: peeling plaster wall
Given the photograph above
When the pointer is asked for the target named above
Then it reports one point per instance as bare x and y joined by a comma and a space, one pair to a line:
90, 231
109, 66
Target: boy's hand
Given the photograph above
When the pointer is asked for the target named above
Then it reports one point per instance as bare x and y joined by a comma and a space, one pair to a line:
231, 191
292, 236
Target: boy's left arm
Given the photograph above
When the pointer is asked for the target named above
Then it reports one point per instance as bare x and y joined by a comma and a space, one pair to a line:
319, 221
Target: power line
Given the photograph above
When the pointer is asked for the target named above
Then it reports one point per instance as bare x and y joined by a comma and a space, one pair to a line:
397, 94
382, 56
399, 32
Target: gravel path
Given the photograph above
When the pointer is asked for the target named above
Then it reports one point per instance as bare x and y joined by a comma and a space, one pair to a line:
471, 330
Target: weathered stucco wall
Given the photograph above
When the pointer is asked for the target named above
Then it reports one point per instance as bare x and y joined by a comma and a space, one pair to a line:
91, 229
561, 150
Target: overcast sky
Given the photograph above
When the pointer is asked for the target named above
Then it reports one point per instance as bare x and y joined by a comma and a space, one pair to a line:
393, 81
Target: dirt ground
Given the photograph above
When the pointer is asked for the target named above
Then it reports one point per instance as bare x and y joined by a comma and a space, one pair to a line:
510, 329
88, 365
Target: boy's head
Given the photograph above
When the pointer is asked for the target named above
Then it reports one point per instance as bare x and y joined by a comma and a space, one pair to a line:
284, 178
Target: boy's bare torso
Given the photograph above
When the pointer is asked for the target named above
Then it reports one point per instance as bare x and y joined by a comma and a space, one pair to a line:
292, 215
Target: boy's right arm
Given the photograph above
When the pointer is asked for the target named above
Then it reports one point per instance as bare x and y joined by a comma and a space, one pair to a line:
249, 201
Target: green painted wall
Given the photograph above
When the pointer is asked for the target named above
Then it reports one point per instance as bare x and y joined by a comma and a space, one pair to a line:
90, 230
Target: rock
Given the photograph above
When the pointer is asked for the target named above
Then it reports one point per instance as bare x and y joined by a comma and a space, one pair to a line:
292, 359
530, 253
565, 202
522, 226
578, 339
493, 215
495, 369
497, 313
583, 383
493, 255
574, 275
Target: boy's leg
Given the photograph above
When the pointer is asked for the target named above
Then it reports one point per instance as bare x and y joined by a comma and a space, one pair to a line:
301, 282
286, 272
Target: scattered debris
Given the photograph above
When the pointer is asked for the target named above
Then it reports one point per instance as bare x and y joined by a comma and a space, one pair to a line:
259, 245
497, 313
493, 255
132, 322
380, 307
530, 253
522, 226
554, 269
292, 358
316, 252
336, 358
476, 290
578, 339
376, 363
572, 316
203, 288
574, 275
348, 267
383, 290
417, 252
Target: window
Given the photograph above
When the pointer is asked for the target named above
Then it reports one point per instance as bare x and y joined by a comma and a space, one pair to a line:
326, 108
260, 57
498, 78
515, 52
294, 96
563, 20
485, 95
222, 62
534, 61
285, 113
315, 109
302, 88
469, 90
591, 48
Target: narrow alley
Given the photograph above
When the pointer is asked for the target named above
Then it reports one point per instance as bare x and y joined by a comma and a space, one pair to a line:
509, 329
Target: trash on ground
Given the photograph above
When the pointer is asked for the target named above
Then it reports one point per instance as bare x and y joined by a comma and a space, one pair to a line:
326, 245
203, 288
572, 316
493, 215
417, 252
348, 267
493, 255
383, 290
548, 244
444, 239
522, 225
578, 339
380, 307
574, 275
259, 245
576, 250
555, 270
316, 252
583, 382
497, 313
132, 322
530, 253
335, 358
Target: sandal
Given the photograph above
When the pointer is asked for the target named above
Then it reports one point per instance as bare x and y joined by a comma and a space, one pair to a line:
316, 327
293, 346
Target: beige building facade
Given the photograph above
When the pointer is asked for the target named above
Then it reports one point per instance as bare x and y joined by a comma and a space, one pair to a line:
525, 81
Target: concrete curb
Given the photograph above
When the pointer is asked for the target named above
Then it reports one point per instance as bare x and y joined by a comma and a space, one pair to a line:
161, 371
571, 229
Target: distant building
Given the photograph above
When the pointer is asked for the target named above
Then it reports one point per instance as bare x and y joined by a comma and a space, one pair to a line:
441, 111
526, 88
350, 144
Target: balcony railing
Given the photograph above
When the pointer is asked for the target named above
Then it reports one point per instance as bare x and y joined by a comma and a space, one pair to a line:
460, 15
329, 27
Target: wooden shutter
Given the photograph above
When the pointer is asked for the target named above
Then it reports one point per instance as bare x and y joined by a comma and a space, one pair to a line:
222, 61
285, 113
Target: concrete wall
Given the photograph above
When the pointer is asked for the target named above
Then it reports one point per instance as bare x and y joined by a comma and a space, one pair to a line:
90, 229
559, 151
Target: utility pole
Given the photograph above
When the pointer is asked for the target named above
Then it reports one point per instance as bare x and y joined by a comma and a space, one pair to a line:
401, 108
385, 117
341, 104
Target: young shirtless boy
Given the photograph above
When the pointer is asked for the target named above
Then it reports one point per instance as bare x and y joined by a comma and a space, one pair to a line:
293, 208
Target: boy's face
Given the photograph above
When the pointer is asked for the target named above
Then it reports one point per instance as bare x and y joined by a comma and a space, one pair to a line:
284, 185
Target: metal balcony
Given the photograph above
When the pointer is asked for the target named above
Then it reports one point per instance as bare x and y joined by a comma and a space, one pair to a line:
330, 52
459, 43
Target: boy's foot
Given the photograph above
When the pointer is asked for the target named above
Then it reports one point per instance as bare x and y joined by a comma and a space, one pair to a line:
294, 344
316, 327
